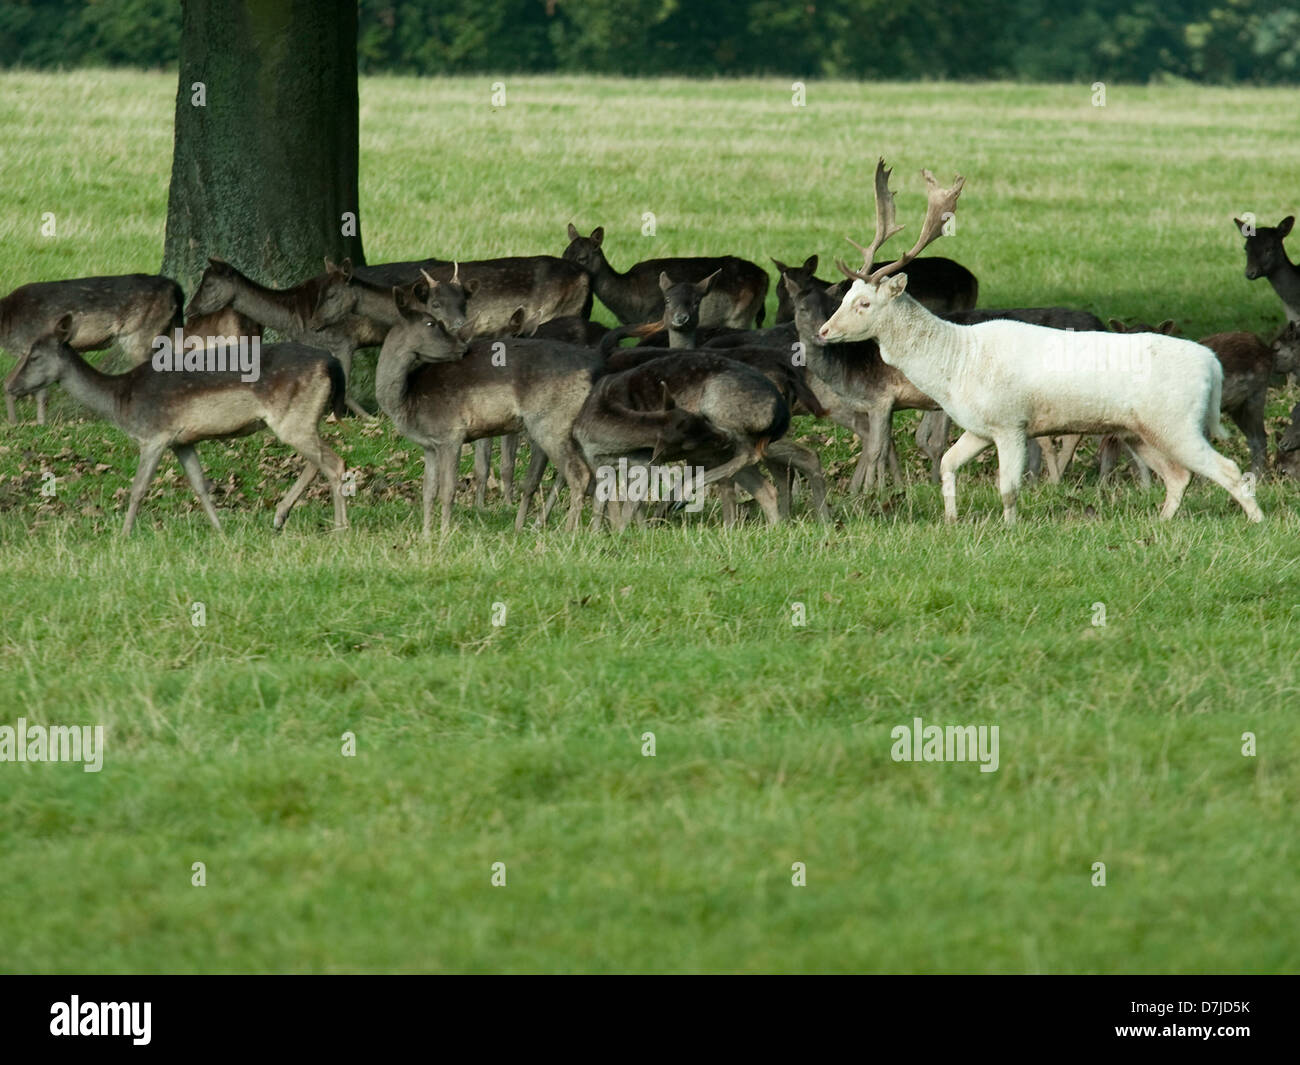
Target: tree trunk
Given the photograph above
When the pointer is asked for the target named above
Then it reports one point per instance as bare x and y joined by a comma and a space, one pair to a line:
264, 168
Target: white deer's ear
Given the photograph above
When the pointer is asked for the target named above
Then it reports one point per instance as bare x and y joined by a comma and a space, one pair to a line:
895, 285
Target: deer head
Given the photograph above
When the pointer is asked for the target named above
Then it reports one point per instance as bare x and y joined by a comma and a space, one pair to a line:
1264, 251
873, 290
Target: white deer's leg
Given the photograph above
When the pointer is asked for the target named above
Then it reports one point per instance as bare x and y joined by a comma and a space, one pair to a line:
1175, 476
189, 460
968, 445
1012, 453
150, 455
1199, 457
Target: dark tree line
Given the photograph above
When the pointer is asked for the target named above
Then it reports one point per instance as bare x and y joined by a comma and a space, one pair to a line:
1220, 41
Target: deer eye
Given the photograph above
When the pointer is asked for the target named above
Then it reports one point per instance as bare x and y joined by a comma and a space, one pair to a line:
863, 304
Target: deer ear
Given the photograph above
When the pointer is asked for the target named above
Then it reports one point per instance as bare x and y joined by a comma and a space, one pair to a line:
702, 287
781, 268
63, 328
401, 297
598, 236
1284, 226
516, 323
573, 232
329, 265
345, 268
472, 287
809, 265
664, 283
791, 285
420, 291
896, 284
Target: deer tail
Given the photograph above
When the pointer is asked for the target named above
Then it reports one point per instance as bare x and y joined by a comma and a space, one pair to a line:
338, 387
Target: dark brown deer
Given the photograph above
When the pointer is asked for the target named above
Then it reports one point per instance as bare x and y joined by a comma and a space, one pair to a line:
942, 285
1266, 257
856, 384
736, 401
784, 457
735, 299
1288, 448
295, 387
129, 309
443, 391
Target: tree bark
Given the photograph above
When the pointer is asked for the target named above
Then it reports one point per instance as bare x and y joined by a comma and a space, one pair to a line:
264, 171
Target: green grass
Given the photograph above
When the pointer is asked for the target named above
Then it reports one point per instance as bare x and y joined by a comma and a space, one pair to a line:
522, 743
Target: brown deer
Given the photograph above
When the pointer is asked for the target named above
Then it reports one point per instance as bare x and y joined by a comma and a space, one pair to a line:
158, 410
443, 391
129, 309
741, 412
1266, 257
939, 284
544, 286
735, 299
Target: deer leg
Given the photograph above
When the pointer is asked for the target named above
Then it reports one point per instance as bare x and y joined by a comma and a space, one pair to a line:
509, 452
1012, 454
189, 460
532, 480
1250, 419
150, 455
292, 496
1034, 458
432, 457
727, 501
482, 470
1175, 475
753, 482
42, 395
875, 450
1141, 471
968, 445
932, 438
320, 458
448, 460
797, 457
1107, 456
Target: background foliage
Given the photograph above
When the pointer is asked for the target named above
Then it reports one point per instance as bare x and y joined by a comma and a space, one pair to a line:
1219, 41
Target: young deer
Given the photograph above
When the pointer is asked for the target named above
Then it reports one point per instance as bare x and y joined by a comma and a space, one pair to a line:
1265, 257
442, 391
130, 309
161, 410
995, 382
735, 299
940, 284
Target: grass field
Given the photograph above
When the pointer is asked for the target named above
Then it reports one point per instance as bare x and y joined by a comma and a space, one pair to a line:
522, 743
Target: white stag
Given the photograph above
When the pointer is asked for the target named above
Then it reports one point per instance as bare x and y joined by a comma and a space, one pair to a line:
1004, 381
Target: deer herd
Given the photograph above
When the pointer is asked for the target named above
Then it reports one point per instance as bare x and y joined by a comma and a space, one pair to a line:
502, 348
